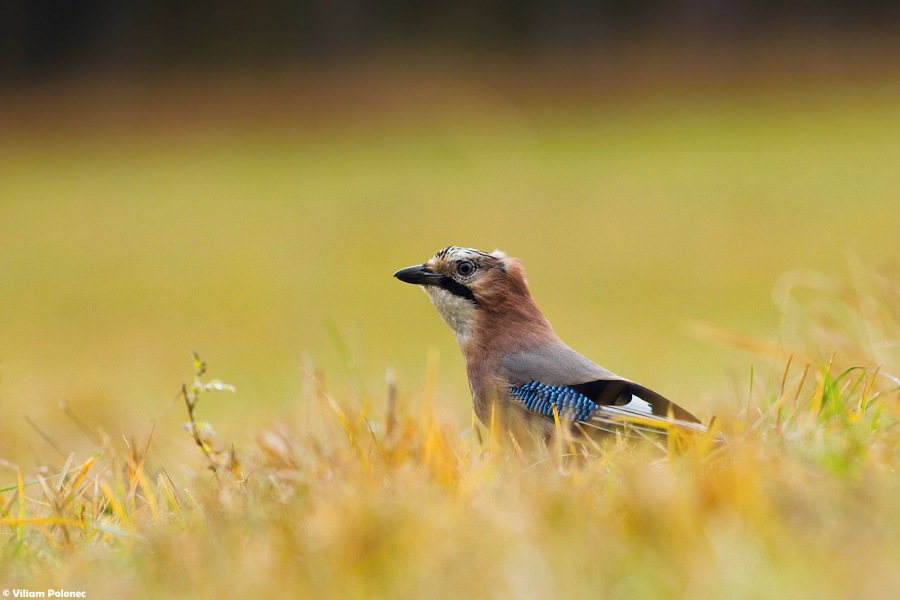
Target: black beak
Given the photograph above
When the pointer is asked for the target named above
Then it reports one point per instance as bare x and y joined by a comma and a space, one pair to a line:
418, 274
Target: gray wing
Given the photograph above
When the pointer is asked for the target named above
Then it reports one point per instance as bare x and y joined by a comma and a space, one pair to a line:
552, 363
552, 376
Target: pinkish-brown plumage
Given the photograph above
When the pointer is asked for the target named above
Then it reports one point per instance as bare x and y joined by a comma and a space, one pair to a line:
514, 360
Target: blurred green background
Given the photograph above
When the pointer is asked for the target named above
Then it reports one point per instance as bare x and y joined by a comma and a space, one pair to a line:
253, 203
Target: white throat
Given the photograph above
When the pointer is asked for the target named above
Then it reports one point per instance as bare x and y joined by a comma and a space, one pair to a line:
456, 312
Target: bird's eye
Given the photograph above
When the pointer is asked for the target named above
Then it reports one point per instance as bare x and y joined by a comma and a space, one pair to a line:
465, 268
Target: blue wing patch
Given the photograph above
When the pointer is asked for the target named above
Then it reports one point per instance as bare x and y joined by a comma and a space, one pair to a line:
617, 405
541, 399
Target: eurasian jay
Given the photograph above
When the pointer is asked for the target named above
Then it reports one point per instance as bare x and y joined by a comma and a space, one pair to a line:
517, 366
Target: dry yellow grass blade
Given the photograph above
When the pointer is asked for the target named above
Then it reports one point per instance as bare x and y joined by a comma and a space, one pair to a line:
167, 496
342, 418
41, 521
79, 478
149, 495
438, 456
135, 472
117, 506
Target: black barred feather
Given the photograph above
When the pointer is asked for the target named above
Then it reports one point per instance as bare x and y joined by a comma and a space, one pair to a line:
605, 405
542, 399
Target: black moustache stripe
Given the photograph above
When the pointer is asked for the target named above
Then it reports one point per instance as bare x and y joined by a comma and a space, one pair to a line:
457, 289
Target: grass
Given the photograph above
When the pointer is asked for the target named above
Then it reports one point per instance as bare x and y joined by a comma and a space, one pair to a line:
400, 501
718, 247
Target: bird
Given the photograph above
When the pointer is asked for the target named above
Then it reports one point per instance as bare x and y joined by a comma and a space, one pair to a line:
518, 369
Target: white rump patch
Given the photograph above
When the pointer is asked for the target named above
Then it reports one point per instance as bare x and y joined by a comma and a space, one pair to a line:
638, 405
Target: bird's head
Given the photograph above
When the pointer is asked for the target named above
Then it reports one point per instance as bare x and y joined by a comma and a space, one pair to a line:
467, 285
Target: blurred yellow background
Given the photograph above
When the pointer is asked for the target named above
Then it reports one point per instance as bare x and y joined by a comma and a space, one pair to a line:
257, 215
